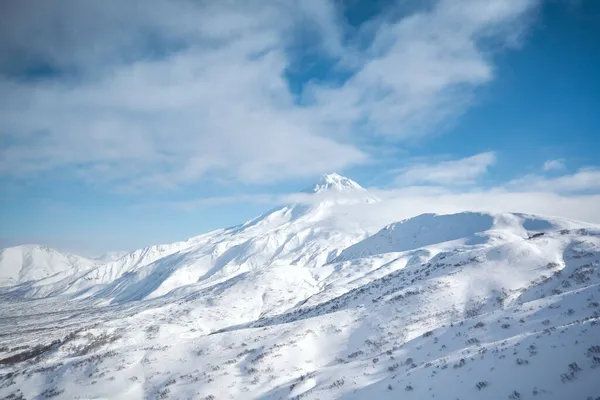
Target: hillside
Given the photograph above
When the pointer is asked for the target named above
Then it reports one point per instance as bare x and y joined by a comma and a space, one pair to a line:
313, 300
31, 263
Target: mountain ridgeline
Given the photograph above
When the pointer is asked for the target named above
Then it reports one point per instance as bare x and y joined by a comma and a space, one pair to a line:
323, 298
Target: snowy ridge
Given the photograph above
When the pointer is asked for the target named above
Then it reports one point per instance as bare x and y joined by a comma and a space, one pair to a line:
110, 256
312, 301
295, 234
467, 228
32, 262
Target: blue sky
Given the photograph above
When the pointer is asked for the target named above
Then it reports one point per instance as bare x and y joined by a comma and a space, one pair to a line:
121, 127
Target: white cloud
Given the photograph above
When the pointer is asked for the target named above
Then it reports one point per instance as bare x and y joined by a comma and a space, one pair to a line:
580, 207
455, 172
209, 108
586, 179
407, 202
554, 165
422, 69
172, 92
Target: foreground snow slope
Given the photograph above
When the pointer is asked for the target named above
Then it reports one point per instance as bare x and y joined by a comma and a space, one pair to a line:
296, 304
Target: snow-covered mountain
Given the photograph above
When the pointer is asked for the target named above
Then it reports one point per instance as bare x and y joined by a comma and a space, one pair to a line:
336, 183
315, 300
32, 262
306, 235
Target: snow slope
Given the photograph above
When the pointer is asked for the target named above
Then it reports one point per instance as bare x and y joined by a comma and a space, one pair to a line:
296, 234
31, 262
300, 303
110, 256
467, 228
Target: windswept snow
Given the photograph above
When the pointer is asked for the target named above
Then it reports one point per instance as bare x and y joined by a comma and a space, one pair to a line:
313, 301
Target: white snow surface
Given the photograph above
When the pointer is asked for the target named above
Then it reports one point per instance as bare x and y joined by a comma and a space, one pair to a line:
313, 301
110, 256
31, 262
337, 183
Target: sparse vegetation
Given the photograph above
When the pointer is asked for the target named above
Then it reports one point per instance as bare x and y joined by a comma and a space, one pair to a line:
163, 393
355, 354
574, 369
482, 384
53, 392
338, 383
36, 351
514, 395
95, 342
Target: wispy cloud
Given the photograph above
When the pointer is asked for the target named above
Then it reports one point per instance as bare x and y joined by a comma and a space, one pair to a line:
554, 165
422, 69
586, 179
454, 172
167, 94
406, 202
583, 207
272, 199
568, 195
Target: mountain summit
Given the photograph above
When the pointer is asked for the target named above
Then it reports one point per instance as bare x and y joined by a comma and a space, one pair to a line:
336, 183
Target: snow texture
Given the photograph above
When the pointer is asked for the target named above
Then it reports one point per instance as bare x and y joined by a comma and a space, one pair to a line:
313, 301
